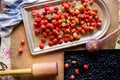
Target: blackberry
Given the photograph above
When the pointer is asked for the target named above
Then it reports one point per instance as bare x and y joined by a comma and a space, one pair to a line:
103, 66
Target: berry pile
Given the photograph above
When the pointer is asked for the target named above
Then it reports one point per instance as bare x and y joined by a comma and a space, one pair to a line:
79, 65
65, 23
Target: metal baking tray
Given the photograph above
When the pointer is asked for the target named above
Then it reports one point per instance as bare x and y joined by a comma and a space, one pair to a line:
33, 41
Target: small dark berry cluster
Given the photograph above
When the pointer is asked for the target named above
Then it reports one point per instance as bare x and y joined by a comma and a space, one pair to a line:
79, 65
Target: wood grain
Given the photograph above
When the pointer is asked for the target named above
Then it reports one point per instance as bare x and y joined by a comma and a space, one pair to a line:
25, 60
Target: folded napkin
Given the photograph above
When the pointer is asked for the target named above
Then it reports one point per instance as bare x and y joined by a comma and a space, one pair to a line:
10, 17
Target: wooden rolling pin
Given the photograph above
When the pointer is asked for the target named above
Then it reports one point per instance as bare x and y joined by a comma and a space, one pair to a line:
37, 70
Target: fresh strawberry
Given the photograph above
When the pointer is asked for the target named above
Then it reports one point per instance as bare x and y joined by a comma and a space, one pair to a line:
55, 41
60, 41
43, 27
74, 3
66, 6
71, 38
82, 1
33, 12
51, 37
91, 2
66, 40
54, 22
35, 24
98, 25
41, 46
45, 22
37, 19
91, 28
39, 15
43, 40
44, 34
86, 28
36, 31
56, 8
85, 5
95, 10
50, 43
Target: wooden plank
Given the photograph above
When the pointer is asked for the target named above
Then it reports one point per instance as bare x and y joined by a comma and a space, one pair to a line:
25, 60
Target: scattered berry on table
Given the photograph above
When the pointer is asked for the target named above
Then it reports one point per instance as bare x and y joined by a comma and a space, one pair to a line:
22, 42
20, 50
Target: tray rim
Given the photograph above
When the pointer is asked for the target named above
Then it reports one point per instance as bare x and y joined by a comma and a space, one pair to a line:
66, 45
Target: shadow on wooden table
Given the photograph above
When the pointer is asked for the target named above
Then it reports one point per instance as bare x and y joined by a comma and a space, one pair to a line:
29, 77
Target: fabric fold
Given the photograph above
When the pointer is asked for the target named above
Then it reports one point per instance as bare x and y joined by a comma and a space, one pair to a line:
11, 16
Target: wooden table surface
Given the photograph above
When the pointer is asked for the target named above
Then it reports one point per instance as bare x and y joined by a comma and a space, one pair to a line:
25, 60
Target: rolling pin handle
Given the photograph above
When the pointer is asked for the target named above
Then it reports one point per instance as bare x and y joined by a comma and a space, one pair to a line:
16, 72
